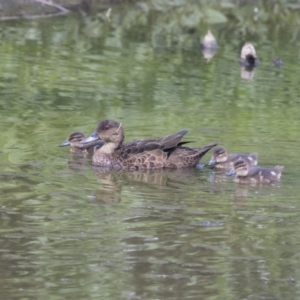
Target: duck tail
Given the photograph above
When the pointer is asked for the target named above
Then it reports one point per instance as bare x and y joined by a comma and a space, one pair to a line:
205, 149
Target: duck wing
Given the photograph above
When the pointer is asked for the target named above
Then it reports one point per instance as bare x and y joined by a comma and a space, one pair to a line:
164, 144
183, 157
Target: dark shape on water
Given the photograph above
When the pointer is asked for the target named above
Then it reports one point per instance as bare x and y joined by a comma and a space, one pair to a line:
277, 62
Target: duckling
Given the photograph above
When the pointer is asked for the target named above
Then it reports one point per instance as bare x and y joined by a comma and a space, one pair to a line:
246, 174
74, 140
222, 160
248, 56
155, 153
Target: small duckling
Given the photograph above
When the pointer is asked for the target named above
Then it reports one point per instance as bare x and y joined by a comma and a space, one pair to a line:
74, 140
222, 160
248, 56
246, 174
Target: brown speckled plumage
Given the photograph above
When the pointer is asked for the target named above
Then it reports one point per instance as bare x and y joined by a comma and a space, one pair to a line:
164, 152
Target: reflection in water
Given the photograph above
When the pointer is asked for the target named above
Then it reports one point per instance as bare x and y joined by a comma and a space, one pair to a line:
79, 161
209, 46
112, 182
247, 73
208, 54
218, 176
110, 192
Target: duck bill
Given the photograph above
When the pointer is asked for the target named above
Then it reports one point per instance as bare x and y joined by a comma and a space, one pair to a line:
231, 172
212, 162
65, 143
93, 137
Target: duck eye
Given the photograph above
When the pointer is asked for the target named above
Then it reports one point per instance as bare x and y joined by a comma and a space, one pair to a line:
106, 127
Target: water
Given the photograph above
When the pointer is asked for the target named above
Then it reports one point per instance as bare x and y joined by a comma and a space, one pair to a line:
68, 230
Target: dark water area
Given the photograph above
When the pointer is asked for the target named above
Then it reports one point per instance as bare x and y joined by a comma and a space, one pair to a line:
70, 230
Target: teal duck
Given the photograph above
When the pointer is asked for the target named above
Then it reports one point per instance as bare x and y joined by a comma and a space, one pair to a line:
222, 160
74, 140
155, 153
246, 174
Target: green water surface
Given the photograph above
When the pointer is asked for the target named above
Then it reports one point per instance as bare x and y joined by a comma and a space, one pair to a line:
68, 231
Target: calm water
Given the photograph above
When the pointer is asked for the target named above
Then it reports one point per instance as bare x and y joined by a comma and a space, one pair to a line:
68, 231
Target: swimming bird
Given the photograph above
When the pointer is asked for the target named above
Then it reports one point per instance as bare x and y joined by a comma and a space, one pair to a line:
222, 160
74, 140
153, 153
209, 41
248, 56
246, 174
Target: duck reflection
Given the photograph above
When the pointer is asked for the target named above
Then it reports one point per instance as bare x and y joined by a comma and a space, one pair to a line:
208, 54
209, 46
110, 192
218, 177
78, 162
247, 73
174, 180
160, 177
248, 61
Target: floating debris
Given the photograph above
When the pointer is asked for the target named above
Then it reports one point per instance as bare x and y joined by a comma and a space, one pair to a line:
277, 62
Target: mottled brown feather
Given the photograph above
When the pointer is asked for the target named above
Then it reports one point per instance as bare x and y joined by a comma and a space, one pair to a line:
154, 153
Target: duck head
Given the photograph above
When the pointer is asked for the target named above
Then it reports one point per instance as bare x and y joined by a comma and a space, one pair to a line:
109, 131
240, 168
219, 155
73, 140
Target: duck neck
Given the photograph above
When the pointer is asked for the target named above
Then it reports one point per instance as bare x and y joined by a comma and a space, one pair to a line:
108, 148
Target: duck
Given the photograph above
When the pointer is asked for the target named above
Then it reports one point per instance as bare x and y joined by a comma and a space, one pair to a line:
246, 174
248, 56
153, 153
220, 159
74, 140
209, 41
